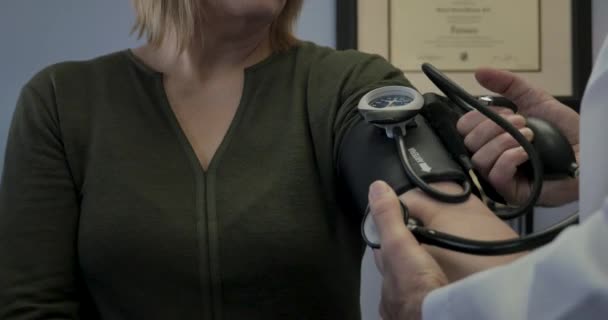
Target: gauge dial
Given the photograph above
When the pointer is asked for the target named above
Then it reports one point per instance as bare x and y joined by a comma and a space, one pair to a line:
390, 101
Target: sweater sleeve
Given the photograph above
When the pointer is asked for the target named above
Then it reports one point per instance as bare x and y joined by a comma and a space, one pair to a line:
337, 82
38, 215
368, 73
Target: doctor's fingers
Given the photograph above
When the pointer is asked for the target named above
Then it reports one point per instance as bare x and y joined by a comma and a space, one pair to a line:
488, 130
409, 276
514, 88
503, 176
386, 212
472, 119
486, 157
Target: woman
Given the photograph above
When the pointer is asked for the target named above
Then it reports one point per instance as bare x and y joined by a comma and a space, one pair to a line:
190, 178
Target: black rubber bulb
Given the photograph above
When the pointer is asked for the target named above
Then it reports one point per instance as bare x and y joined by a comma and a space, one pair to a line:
554, 150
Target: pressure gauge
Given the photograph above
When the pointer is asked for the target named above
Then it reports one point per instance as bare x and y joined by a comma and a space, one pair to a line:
391, 107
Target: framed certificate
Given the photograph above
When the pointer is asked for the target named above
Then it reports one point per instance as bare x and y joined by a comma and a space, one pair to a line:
548, 42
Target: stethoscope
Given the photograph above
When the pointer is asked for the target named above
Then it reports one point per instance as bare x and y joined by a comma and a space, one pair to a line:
392, 108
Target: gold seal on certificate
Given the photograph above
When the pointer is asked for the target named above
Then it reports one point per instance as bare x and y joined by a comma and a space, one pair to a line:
462, 35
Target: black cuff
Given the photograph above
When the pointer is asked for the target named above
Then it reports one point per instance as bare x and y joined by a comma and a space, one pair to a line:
367, 155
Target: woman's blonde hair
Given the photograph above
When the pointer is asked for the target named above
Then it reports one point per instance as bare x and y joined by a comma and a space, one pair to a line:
154, 18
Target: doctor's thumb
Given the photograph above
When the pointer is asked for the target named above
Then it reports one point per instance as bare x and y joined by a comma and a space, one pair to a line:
388, 217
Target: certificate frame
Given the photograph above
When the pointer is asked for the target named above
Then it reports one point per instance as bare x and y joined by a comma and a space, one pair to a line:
575, 74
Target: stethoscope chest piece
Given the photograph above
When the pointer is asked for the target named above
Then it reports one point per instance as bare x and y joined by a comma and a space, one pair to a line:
369, 230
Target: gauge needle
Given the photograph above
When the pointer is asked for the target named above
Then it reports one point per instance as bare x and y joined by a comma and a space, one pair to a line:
391, 103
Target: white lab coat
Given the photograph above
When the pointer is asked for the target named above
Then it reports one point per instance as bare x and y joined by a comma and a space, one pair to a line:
567, 279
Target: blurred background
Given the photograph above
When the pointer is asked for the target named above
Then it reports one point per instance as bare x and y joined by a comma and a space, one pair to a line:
36, 33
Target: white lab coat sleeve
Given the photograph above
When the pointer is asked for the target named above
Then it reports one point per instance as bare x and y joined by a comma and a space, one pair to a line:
567, 279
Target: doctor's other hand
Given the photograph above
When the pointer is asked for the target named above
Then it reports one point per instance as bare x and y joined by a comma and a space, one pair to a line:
409, 272
496, 155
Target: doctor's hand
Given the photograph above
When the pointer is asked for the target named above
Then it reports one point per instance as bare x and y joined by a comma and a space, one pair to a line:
496, 155
410, 271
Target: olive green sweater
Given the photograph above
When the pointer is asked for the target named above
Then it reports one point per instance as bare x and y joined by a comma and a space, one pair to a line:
105, 211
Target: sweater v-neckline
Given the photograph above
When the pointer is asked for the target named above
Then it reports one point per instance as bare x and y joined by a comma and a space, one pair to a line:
186, 143
176, 126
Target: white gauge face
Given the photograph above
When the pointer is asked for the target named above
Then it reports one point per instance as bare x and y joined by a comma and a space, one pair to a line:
391, 97
392, 100
391, 107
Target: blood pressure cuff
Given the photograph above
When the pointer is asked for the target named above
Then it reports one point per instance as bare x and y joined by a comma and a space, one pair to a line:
367, 154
